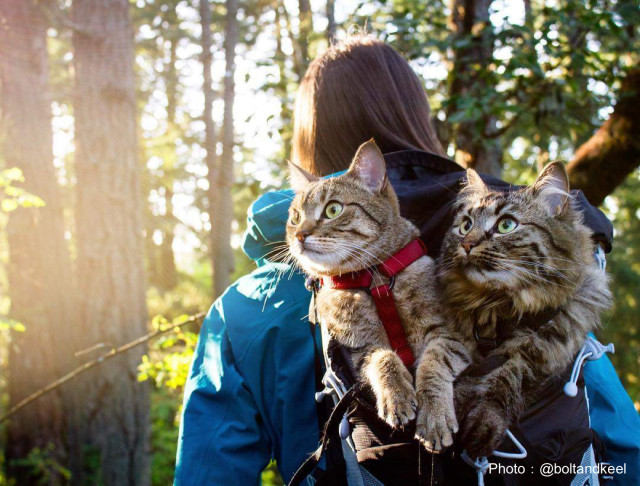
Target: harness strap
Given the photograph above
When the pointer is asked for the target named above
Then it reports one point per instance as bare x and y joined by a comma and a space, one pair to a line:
332, 424
382, 295
388, 314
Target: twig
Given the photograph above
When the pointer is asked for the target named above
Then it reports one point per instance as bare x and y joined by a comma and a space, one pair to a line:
58, 18
95, 347
101, 359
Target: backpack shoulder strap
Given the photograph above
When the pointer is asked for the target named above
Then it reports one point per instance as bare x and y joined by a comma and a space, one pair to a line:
329, 435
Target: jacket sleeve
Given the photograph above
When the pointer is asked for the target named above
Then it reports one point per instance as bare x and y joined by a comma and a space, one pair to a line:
614, 418
222, 439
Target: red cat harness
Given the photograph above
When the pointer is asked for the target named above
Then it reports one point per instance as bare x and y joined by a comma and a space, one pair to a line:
382, 294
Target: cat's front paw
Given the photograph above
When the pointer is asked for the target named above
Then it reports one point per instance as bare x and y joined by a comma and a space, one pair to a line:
484, 428
466, 390
397, 403
436, 424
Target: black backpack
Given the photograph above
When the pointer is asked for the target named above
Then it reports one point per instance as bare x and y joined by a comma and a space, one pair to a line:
360, 449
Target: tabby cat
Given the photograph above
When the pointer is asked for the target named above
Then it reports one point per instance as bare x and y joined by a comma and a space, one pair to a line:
350, 223
517, 267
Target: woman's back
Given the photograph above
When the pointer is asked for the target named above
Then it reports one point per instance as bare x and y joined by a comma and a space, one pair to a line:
250, 393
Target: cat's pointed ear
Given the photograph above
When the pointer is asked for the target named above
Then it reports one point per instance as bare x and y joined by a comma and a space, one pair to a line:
553, 185
299, 177
475, 182
368, 166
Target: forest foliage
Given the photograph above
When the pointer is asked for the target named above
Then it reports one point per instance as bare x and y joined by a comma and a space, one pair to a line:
512, 86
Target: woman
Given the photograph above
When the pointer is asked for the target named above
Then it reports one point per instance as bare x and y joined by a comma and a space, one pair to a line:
250, 393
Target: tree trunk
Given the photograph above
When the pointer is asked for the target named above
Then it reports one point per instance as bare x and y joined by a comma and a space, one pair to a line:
331, 21
109, 244
149, 222
282, 90
470, 20
168, 273
603, 162
528, 13
305, 20
40, 273
585, 105
223, 205
167, 277
301, 42
210, 140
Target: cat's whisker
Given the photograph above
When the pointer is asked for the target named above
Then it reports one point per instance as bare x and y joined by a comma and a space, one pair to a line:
573, 264
289, 265
534, 265
446, 263
535, 276
287, 196
376, 260
353, 253
343, 245
363, 263
553, 271
518, 274
546, 257
557, 271
330, 245
272, 284
279, 242
276, 253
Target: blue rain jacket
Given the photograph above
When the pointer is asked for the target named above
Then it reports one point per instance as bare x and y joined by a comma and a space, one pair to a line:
249, 397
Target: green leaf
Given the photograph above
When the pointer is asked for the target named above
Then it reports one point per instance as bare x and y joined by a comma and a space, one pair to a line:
6, 323
9, 205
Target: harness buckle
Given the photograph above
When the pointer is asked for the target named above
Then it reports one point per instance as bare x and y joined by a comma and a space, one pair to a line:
392, 282
386, 287
484, 342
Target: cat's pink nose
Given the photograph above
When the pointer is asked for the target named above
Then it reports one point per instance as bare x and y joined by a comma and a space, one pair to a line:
302, 235
468, 245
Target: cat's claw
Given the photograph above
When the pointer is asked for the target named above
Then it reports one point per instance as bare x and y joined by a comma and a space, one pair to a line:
436, 425
398, 407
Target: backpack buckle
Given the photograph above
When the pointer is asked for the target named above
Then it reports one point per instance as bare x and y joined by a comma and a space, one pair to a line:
485, 344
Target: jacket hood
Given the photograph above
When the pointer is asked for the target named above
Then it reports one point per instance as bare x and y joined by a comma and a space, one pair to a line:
266, 224
426, 185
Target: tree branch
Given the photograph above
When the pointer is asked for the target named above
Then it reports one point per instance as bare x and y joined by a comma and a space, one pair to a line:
101, 359
60, 20
604, 161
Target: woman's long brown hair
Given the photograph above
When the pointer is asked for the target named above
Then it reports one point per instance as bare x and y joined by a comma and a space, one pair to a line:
359, 89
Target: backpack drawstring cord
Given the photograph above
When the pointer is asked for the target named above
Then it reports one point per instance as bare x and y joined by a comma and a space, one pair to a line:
481, 464
591, 351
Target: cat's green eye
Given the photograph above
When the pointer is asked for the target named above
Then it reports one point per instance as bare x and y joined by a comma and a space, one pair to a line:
507, 225
295, 217
333, 209
466, 226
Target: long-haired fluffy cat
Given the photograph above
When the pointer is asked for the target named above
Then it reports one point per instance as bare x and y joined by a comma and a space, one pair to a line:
518, 267
350, 223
